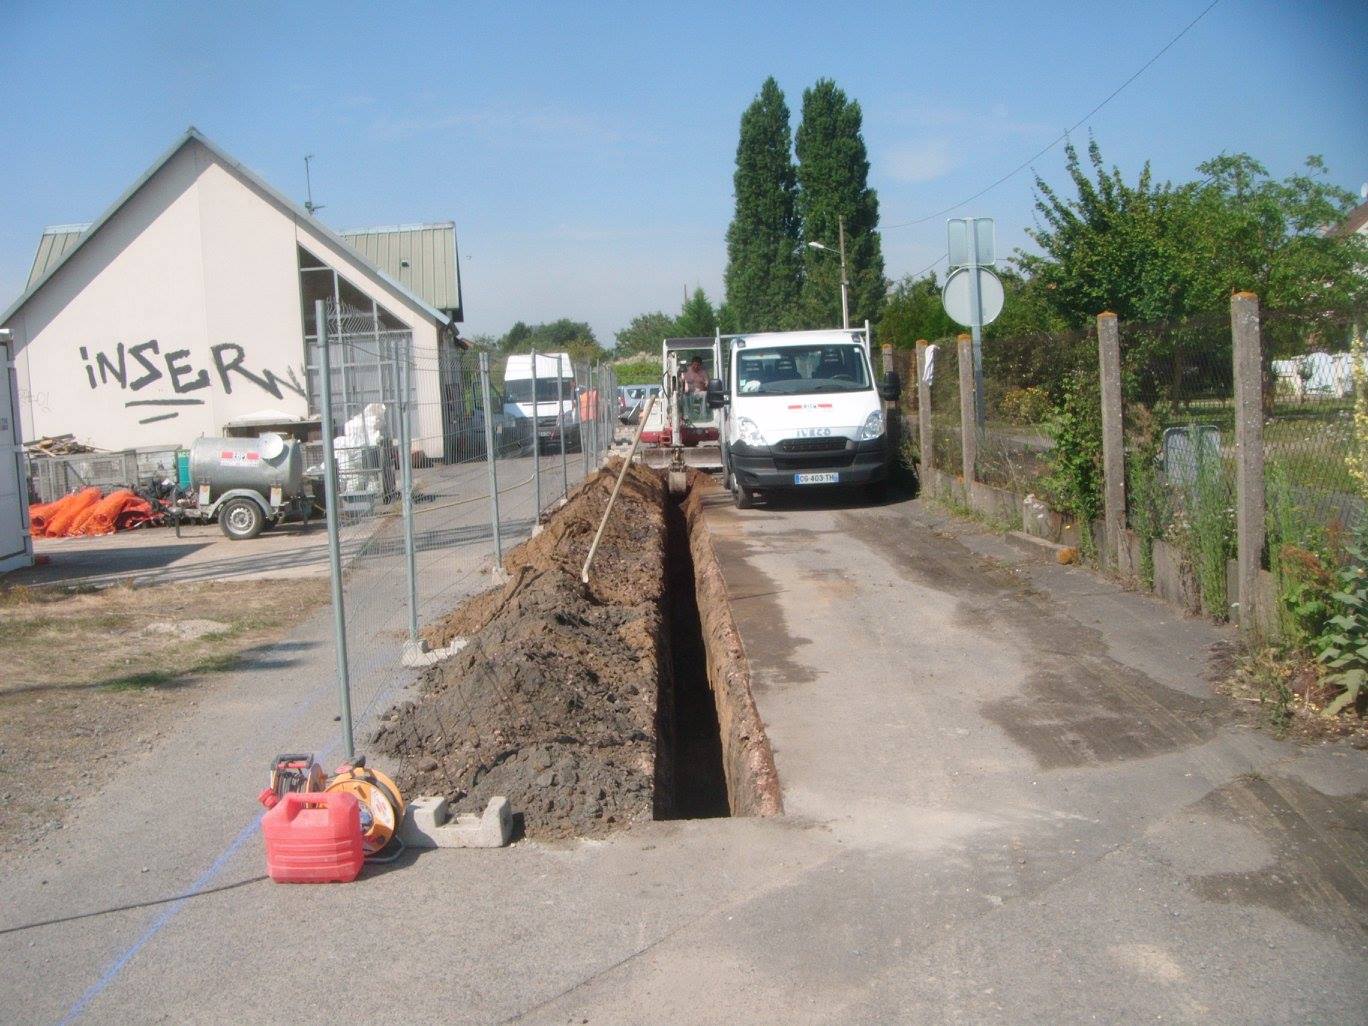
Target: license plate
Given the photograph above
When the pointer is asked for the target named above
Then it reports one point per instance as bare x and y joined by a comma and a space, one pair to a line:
802, 479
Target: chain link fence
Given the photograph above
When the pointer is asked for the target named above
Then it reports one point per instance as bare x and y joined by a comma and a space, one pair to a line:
439, 465
1025, 377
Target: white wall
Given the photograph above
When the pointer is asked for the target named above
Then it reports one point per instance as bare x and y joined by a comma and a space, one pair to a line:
204, 265
16, 547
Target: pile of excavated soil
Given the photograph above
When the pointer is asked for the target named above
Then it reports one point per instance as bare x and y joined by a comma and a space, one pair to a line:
553, 702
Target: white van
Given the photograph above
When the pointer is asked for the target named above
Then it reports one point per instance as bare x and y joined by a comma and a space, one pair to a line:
519, 403
800, 409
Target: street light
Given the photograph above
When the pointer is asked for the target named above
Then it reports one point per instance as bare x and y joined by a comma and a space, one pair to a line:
845, 282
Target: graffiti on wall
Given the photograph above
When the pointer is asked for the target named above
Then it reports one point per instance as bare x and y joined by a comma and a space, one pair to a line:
133, 369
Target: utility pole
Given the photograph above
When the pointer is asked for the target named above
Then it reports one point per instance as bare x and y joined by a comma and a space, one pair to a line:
845, 281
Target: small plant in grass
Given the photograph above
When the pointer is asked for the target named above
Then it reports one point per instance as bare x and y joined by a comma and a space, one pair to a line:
1074, 483
1344, 643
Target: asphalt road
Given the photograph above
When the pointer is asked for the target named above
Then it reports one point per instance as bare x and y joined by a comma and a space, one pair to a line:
1011, 797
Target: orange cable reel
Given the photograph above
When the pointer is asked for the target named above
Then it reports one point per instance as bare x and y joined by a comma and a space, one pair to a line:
382, 806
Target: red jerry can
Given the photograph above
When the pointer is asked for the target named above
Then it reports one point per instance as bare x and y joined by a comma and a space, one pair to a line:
314, 837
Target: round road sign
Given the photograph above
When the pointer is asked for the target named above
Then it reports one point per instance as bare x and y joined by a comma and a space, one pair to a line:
955, 297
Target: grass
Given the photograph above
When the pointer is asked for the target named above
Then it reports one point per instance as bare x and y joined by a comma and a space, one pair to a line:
998, 525
106, 638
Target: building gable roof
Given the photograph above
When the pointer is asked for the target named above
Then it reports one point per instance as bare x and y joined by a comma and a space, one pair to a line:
192, 134
52, 247
1357, 221
422, 256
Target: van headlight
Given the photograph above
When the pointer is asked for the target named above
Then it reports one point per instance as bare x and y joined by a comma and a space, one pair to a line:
873, 426
749, 432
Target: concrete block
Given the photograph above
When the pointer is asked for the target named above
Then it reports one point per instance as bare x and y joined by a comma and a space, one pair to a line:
429, 824
498, 575
1043, 548
417, 655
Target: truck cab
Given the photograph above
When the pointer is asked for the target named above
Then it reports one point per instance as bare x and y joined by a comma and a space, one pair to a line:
800, 409
554, 379
682, 416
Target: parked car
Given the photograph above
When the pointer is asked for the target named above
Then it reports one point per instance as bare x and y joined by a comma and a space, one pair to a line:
631, 399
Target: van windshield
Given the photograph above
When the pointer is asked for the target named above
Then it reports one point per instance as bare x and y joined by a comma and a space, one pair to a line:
801, 370
519, 390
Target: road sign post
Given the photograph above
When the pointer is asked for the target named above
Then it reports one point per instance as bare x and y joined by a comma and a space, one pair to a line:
973, 293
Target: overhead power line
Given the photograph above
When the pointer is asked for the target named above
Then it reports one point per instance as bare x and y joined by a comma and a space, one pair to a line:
1064, 134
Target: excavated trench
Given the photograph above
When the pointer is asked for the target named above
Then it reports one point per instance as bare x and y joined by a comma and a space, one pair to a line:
593, 707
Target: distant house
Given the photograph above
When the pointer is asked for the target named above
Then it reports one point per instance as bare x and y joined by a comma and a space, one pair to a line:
1357, 221
190, 304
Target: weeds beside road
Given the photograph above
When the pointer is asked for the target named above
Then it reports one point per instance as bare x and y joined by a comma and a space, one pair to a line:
90, 676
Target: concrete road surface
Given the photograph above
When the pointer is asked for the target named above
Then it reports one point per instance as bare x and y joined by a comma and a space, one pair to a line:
1011, 798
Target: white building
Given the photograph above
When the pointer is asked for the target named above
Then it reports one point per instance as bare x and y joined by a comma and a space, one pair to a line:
190, 304
16, 547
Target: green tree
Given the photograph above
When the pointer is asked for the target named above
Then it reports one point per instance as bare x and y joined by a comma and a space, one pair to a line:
913, 310
559, 336
697, 317
833, 183
1157, 252
645, 334
763, 267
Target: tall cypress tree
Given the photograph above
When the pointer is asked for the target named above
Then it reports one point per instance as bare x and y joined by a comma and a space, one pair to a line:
833, 182
763, 267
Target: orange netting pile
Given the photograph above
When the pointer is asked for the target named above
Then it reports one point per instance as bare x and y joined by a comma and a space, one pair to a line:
87, 513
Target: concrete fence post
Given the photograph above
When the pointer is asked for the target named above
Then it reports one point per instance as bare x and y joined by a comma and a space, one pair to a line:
1113, 443
1249, 455
968, 417
925, 440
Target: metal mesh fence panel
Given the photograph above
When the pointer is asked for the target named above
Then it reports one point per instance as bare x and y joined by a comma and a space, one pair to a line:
440, 472
1023, 379
1308, 396
1178, 420
946, 442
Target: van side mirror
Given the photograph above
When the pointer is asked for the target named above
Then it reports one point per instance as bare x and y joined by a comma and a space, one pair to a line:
890, 389
717, 394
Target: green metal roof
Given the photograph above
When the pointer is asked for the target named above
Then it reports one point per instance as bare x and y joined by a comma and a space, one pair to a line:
421, 257
54, 245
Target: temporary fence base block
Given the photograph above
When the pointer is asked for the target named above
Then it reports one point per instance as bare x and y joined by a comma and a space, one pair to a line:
499, 575
417, 655
1035, 546
428, 824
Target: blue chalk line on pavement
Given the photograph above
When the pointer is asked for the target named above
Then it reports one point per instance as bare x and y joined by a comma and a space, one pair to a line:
207, 877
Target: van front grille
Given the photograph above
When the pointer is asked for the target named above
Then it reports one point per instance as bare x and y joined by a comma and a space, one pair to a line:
800, 445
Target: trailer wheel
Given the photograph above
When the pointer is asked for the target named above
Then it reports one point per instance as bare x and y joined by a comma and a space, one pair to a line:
241, 519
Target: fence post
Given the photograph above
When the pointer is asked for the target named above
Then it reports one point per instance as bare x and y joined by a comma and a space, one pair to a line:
406, 474
1113, 443
1249, 455
536, 445
490, 458
334, 539
925, 440
586, 434
886, 354
560, 424
968, 415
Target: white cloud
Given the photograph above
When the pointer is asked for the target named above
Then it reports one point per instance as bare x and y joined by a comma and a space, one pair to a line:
920, 162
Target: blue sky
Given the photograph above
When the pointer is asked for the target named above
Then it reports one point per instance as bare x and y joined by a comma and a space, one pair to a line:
585, 150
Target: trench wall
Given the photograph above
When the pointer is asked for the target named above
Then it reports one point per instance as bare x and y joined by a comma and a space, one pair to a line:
747, 760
